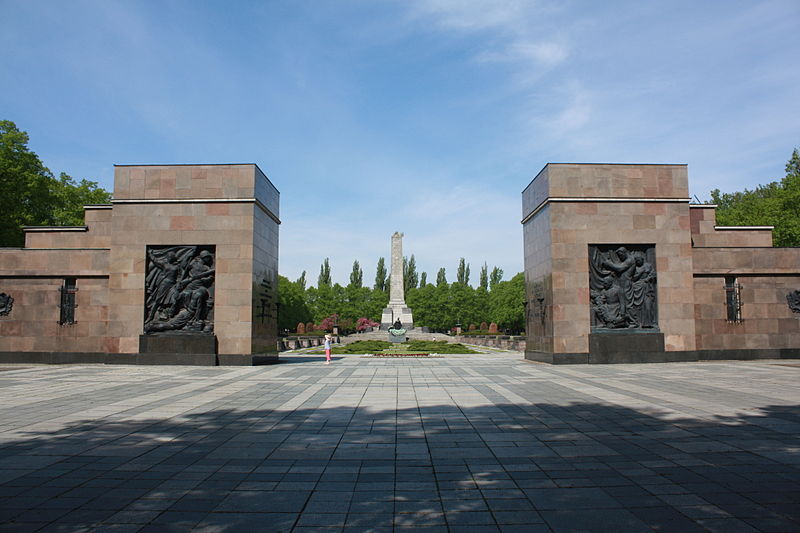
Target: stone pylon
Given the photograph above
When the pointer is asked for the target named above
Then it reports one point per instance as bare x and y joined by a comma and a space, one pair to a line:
397, 302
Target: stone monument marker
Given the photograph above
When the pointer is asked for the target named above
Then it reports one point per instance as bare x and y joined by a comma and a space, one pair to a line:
180, 268
621, 267
397, 309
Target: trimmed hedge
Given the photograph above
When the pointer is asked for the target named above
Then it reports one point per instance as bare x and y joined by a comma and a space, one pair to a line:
417, 347
438, 347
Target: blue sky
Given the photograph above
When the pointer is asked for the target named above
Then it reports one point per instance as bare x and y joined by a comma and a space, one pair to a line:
422, 116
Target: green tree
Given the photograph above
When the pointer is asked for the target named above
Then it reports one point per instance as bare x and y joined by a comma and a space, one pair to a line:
301, 281
774, 204
324, 274
439, 317
484, 277
410, 276
31, 195
441, 278
423, 279
293, 308
481, 303
507, 304
356, 303
461, 305
376, 303
356, 276
71, 196
24, 186
380, 276
325, 300
420, 300
462, 274
495, 277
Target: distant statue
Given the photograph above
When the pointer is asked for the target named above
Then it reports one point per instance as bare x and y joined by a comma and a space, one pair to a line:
178, 296
397, 329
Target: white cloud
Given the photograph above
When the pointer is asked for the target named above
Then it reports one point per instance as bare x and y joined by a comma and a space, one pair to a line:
514, 29
557, 115
546, 54
574, 115
473, 15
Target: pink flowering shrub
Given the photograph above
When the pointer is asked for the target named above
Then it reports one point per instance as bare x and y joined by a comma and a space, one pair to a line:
328, 322
363, 323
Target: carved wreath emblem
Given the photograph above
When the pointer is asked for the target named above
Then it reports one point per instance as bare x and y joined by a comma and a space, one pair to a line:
6, 303
794, 301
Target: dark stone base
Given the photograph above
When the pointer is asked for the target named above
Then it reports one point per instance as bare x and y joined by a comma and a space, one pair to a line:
194, 349
176, 343
557, 358
748, 355
664, 356
625, 346
53, 358
247, 360
189, 359
83, 358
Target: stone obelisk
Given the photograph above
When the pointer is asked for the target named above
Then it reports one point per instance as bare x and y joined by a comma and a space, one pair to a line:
397, 301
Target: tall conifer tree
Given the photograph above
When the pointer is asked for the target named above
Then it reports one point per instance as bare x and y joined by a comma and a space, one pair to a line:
380, 275
324, 278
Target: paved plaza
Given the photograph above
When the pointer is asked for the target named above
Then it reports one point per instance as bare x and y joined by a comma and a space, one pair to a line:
455, 443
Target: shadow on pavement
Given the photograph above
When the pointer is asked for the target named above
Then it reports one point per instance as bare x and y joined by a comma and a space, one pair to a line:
539, 467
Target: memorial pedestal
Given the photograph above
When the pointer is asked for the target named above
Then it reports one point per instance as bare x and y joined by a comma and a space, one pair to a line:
626, 346
174, 349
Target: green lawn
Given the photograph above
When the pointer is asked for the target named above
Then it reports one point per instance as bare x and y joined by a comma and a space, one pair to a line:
410, 347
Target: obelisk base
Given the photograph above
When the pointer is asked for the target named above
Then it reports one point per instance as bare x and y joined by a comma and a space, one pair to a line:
393, 312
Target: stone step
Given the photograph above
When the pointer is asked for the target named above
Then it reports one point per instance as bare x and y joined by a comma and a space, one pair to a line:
412, 334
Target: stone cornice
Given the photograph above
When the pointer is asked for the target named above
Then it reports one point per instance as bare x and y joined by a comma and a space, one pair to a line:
544, 203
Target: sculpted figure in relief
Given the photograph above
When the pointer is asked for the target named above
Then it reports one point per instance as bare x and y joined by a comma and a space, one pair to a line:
643, 289
178, 295
623, 288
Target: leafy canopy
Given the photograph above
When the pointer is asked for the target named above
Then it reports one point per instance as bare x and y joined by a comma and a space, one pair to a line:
439, 307
32, 195
774, 204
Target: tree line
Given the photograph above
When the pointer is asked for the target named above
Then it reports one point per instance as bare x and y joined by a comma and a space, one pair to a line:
775, 204
439, 306
32, 195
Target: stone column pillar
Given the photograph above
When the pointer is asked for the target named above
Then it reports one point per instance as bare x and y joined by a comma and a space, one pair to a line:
397, 301
396, 287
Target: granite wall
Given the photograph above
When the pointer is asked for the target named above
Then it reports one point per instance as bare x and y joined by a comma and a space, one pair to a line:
189, 205
567, 208
606, 204
232, 207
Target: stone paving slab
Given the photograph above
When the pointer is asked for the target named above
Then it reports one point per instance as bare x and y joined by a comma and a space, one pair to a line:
485, 442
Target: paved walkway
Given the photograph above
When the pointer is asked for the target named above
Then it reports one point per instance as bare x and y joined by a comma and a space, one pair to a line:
455, 443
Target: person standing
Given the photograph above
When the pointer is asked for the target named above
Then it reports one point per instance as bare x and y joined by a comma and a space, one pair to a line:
327, 349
